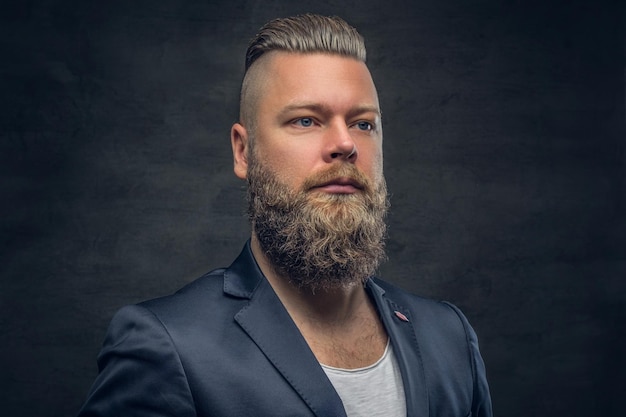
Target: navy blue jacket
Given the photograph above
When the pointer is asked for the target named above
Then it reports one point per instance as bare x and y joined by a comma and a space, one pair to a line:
224, 345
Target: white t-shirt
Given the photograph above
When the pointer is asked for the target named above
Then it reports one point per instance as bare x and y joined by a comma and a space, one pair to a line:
373, 391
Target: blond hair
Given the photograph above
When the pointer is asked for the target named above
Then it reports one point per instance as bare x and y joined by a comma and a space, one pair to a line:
307, 33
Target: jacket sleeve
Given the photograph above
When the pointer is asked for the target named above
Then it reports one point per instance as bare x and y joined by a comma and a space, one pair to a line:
140, 372
481, 399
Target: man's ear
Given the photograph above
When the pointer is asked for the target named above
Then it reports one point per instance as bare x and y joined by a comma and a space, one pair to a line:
239, 142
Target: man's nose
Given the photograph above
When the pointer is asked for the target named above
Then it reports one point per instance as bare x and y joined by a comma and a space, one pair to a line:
340, 144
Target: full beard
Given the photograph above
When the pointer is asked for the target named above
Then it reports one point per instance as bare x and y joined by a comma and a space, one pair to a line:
319, 241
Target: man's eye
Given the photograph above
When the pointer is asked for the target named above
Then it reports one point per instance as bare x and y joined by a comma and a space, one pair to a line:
304, 122
364, 126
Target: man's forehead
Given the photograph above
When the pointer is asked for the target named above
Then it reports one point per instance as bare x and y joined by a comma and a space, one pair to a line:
285, 79
291, 69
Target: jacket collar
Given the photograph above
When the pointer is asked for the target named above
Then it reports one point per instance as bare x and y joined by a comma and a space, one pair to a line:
268, 324
399, 324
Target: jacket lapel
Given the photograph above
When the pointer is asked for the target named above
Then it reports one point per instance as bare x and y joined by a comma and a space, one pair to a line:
399, 325
268, 324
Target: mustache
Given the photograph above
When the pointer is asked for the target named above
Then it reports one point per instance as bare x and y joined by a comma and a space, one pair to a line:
345, 172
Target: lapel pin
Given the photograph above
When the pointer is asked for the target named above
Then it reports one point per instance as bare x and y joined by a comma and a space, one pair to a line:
401, 316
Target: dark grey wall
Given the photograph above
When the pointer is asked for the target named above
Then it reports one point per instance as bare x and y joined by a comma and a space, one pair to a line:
504, 140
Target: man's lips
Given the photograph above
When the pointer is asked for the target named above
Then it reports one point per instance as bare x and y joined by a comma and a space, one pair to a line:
342, 185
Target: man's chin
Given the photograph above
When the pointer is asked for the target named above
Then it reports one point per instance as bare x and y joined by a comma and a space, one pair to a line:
322, 196
341, 205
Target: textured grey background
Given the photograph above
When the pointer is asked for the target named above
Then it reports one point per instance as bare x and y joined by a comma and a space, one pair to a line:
505, 156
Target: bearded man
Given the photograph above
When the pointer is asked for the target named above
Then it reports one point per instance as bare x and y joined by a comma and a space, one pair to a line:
298, 325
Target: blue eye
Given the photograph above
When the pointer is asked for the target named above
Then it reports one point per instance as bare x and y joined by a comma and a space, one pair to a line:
364, 126
305, 122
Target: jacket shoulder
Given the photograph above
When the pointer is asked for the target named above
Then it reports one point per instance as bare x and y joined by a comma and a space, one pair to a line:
434, 318
414, 302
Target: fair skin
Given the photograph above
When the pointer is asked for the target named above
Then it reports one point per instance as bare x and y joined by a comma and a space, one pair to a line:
315, 110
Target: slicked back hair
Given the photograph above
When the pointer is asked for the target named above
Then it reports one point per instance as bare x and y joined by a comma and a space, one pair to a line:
308, 33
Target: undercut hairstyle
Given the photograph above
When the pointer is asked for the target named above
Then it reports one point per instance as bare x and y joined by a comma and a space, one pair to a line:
308, 33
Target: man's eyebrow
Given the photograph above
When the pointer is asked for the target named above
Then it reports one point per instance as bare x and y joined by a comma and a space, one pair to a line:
364, 109
320, 108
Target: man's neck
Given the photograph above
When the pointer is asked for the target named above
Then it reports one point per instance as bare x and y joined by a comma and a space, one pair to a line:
341, 325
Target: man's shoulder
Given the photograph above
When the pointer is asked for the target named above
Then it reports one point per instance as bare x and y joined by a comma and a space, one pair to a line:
218, 288
423, 309
195, 298
404, 297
